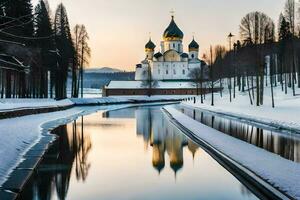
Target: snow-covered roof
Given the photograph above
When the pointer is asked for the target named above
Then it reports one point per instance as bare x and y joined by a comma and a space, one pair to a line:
155, 84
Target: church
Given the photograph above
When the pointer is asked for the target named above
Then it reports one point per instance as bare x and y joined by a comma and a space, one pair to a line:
163, 72
171, 63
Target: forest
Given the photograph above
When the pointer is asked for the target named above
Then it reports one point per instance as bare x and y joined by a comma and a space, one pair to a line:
265, 55
38, 49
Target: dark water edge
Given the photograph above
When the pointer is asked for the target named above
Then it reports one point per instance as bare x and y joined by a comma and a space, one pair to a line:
286, 145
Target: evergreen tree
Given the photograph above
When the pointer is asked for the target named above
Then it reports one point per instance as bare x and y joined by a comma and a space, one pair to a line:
284, 29
44, 29
19, 20
66, 50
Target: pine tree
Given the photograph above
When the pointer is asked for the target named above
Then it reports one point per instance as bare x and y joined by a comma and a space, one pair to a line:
19, 20
284, 29
44, 29
66, 50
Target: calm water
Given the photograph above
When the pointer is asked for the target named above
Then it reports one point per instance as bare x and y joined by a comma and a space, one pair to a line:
287, 145
132, 153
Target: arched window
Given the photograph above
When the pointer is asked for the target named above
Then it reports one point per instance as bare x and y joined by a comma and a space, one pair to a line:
167, 71
174, 71
174, 45
183, 72
193, 56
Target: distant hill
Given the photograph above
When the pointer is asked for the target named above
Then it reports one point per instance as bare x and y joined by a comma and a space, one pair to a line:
98, 77
103, 70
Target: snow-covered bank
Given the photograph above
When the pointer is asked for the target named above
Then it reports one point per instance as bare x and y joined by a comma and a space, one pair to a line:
21, 104
7, 105
18, 135
284, 115
277, 171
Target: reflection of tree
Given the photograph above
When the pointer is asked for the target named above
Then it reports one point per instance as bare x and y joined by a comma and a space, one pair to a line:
54, 172
285, 146
81, 163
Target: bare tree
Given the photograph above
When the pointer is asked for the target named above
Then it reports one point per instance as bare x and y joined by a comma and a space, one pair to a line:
83, 53
220, 52
256, 28
197, 75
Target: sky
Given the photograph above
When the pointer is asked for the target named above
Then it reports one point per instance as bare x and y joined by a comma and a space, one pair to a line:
119, 29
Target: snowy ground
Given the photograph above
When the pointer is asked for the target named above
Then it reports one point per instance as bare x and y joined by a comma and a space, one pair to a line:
285, 114
17, 104
277, 171
21, 104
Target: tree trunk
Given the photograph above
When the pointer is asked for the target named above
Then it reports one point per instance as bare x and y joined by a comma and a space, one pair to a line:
8, 84
249, 89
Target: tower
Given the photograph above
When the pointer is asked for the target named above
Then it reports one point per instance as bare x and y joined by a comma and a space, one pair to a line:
193, 49
149, 49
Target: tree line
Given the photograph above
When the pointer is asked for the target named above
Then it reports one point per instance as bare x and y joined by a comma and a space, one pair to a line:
263, 57
38, 50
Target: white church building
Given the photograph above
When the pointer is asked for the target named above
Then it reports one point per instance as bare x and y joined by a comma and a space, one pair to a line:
165, 71
170, 63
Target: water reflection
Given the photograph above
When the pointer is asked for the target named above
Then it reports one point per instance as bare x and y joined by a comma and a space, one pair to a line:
157, 132
53, 175
286, 145
101, 156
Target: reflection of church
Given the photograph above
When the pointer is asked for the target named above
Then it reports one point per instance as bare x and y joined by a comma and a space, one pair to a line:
164, 138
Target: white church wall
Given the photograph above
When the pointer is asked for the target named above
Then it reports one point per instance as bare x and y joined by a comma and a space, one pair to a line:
171, 45
170, 70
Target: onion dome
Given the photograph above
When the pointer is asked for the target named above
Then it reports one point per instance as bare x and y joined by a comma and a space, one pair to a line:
150, 45
173, 32
184, 55
194, 45
158, 55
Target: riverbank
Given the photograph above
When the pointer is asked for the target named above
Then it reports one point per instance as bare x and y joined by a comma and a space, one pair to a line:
285, 115
10, 108
280, 176
24, 141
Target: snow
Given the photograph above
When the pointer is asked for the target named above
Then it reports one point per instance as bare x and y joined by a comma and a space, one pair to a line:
284, 115
20, 104
7, 105
155, 84
277, 171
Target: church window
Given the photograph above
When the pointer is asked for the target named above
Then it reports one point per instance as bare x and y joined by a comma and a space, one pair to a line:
193, 56
183, 72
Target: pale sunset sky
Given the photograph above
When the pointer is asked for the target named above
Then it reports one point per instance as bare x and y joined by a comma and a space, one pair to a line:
119, 29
